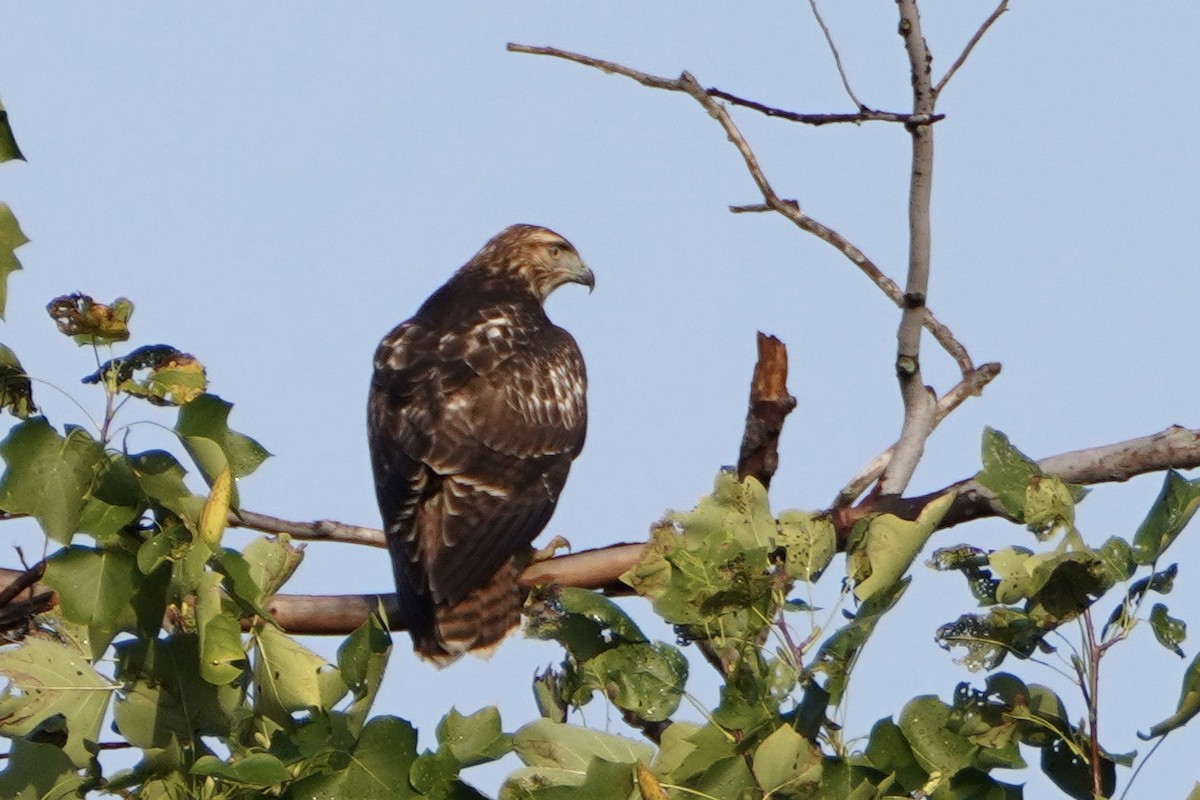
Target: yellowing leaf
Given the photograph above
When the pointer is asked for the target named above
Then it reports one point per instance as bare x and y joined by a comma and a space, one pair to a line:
215, 512
89, 322
648, 785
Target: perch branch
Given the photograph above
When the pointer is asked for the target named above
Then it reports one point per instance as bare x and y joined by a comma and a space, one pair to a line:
788, 208
1173, 448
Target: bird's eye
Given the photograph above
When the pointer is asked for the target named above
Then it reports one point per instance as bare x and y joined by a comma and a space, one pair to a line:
555, 251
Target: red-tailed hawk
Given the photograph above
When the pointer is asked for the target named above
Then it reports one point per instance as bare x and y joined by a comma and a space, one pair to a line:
477, 408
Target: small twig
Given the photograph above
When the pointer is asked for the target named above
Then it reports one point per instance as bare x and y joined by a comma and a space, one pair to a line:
24, 581
837, 59
970, 386
319, 531
962, 57
670, 84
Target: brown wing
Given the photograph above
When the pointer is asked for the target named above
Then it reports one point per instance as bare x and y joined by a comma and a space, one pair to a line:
473, 432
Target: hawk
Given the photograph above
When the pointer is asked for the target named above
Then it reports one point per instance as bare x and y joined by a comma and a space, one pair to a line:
477, 409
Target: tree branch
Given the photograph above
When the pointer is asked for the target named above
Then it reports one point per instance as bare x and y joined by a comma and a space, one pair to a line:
1173, 448
770, 403
962, 57
837, 59
788, 208
920, 402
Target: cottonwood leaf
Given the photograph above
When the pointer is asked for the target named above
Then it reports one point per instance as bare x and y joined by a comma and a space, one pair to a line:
8, 142
362, 659
16, 391
11, 237
785, 762
809, 542
1169, 631
1188, 706
158, 373
38, 771
889, 546
476, 739
543, 743
1172, 511
377, 766
290, 677
256, 770
206, 420
51, 678
88, 322
935, 747
95, 588
221, 654
49, 475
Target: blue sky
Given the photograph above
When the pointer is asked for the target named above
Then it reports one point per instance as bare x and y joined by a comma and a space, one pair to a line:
276, 185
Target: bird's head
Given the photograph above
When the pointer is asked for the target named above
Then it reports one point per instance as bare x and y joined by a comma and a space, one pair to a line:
537, 257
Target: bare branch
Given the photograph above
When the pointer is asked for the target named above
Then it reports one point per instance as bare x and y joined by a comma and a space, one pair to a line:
671, 84
788, 208
920, 402
837, 59
965, 54
970, 386
770, 403
320, 531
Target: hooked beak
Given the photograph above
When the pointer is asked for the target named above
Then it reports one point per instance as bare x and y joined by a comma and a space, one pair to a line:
584, 276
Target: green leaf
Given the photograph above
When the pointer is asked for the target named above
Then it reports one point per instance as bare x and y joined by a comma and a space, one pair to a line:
645, 679
8, 142
160, 477
1013, 566
88, 322
785, 762
257, 770
11, 237
1170, 514
1169, 630
549, 695
39, 772
16, 391
1073, 775
476, 739
95, 588
1006, 472
1049, 506
271, 561
809, 542
1188, 706
362, 659
889, 546
204, 422
838, 652
377, 766
543, 743
49, 475
290, 677
601, 780
935, 747
240, 584
165, 699
221, 654
50, 679
737, 509
158, 373
890, 752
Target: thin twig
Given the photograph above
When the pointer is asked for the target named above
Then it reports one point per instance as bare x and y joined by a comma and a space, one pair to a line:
320, 531
788, 208
837, 59
670, 84
962, 57
970, 386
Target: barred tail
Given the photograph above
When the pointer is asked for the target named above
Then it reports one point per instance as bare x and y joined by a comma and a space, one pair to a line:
475, 624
